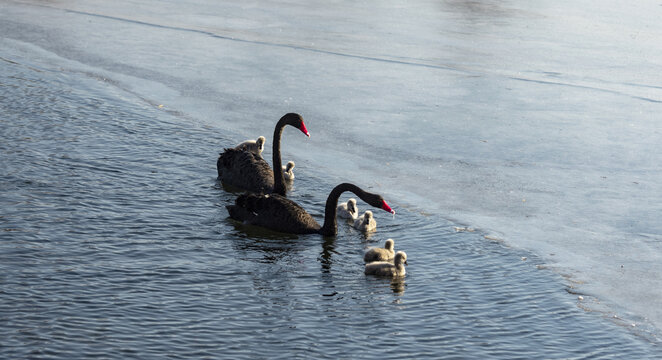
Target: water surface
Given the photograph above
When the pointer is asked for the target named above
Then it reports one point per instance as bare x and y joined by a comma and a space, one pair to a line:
116, 241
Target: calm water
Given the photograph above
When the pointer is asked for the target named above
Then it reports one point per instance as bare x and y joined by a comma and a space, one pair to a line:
115, 243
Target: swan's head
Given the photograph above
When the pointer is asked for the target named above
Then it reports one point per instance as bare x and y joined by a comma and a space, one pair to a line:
367, 216
351, 206
296, 120
289, 166
388, 245
400, 258
260, 142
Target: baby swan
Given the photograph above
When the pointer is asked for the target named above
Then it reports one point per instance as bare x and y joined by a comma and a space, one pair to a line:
366, 222
288, 174
348, 210
380, 254
383, 268
254, 146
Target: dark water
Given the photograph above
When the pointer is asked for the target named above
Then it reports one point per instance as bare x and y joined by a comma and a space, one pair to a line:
115, 243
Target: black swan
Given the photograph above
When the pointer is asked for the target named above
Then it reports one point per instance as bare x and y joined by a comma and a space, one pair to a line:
278, 213
248, 171
380, 254
383, 268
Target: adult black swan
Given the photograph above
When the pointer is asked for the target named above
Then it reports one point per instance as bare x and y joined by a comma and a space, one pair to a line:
245, 170
278, 213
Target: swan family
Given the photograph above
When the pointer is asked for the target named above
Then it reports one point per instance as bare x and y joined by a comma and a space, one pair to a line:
264, 202
248, 171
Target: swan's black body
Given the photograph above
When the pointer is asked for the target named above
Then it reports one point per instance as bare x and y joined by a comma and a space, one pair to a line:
278, 213
248, 171
245, 170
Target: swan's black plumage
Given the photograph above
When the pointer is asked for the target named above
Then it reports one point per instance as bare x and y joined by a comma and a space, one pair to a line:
248, 171
278, 213
245, 170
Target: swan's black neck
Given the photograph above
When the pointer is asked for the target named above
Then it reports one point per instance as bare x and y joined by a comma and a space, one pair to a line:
279, 180
330, 226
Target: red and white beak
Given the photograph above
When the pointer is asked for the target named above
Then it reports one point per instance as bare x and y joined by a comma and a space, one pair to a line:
387, 208
303, 129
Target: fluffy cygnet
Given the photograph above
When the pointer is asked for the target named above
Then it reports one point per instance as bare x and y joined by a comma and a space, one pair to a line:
383, 268
288, 174
366, 222
380, 254
254, 146
348, 210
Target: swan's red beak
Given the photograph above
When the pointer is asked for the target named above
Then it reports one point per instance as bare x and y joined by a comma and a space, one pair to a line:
387, 208
303, 129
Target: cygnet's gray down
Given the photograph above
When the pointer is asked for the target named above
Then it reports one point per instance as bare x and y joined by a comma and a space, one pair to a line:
383, 268
348, 210
254, 146
380, 254
288, 174
366, 222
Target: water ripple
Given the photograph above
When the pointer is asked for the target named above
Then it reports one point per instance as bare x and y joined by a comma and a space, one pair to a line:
115, 243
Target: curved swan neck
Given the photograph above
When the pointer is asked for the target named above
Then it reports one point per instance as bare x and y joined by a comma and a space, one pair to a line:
330, 226
287, 119
279, 180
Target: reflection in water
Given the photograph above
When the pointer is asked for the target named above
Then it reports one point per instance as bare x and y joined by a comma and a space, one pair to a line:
367, 235
398, 285
328, 247
270, 246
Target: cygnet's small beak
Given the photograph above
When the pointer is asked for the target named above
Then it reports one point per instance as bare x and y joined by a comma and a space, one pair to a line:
406, 262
